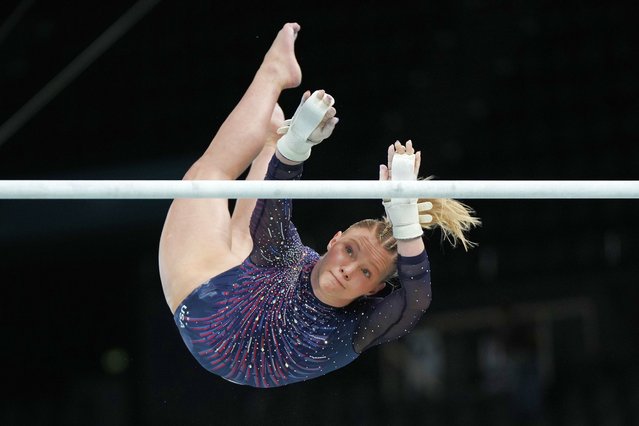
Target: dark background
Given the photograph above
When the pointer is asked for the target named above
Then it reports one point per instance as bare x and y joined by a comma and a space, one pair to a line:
486, 89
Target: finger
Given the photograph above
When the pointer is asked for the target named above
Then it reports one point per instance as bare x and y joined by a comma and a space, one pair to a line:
283, 129
409, 147
418, 162
330, 113
327, 129
399, 148
328, 99
391, 153
305, 96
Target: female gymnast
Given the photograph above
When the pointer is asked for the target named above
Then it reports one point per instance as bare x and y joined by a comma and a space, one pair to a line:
251, 302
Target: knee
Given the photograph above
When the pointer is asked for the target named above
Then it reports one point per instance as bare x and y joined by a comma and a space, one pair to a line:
200, 170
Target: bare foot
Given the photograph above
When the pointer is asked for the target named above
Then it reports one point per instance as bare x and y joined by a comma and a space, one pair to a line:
280, 62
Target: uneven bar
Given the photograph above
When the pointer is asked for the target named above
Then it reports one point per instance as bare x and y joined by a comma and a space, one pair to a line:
319, 189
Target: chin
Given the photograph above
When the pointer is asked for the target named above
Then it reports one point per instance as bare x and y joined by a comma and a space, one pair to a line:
329, 284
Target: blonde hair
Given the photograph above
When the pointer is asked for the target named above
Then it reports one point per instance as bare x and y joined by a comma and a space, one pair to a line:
453, 217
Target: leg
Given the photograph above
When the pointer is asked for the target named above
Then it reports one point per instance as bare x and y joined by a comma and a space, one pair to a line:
196, 239
241, 241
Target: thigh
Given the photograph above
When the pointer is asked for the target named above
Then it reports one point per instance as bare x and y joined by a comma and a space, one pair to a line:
194, 246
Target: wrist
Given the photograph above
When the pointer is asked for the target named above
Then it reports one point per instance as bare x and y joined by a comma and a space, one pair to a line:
411, 248
284, 159
405, 219
409, 232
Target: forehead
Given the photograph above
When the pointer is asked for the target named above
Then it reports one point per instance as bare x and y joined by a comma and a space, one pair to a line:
370, 246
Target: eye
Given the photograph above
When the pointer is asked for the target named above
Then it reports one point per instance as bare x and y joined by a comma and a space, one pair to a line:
349, 250
367, 273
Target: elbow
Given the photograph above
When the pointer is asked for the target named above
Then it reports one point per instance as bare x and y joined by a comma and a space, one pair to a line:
424, 301
423, 307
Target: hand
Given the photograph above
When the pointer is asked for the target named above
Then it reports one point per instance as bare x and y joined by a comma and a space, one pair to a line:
313, 122
403, 213
385, 172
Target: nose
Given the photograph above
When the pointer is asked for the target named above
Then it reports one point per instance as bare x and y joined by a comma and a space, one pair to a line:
345, 273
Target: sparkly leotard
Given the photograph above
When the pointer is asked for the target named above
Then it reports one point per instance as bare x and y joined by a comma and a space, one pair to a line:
260, 324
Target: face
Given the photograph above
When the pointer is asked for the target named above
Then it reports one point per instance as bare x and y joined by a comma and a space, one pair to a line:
355, 265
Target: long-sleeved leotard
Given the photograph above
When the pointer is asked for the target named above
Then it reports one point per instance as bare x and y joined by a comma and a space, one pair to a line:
260, 324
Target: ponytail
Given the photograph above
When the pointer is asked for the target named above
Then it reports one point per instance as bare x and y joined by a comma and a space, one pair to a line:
453, 218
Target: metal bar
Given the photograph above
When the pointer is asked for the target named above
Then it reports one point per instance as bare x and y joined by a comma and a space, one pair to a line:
317, 189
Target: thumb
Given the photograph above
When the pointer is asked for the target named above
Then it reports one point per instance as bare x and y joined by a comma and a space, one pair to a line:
323, 132
383, 172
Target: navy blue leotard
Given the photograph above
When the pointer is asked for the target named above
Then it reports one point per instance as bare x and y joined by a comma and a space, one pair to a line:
260, 324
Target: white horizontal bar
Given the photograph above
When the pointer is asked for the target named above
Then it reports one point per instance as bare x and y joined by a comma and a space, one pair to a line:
316, 189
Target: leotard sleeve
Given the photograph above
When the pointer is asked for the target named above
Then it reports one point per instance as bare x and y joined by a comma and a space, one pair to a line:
397, 314
276, 241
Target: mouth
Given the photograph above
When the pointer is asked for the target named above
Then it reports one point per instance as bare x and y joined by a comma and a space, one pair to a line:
338, 281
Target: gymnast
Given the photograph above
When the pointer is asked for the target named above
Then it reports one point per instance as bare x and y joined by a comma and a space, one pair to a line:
251, 302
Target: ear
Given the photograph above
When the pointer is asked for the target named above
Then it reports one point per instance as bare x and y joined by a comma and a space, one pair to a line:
333, 240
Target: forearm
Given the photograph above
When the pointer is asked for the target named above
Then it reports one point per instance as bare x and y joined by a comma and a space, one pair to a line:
400, 311
271, 228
